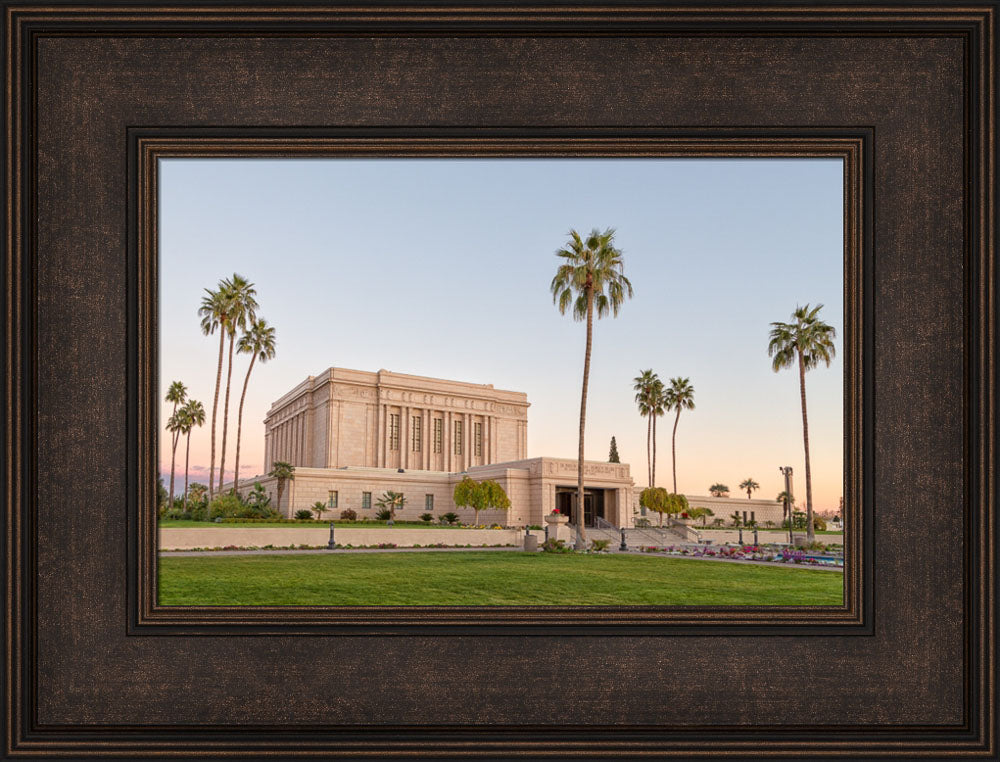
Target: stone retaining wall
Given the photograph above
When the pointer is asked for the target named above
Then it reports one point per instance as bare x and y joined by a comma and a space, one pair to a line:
177, 538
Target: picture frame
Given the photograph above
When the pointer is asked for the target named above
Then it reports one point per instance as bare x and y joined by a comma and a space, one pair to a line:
95, 94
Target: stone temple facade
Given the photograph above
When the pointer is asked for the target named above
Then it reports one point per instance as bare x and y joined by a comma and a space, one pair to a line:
390, 420
352, 435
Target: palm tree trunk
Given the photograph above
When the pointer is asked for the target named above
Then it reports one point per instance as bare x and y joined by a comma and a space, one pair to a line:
239, 427
173, 460
810, 530
652, 468
581, 535
281, 488
215, 409
187, 462
649, 450
225, 413
673, 447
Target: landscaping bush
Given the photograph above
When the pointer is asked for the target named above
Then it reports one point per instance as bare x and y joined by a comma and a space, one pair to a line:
642, 523
599, 545
818, 523
303, 514
427, 518
349, 515
534, 526
449, 518
383, 514
228, 506
555, 546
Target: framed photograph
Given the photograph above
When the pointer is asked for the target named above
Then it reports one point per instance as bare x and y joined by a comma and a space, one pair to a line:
335, 336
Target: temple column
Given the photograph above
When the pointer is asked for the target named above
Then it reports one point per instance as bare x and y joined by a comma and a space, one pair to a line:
404, 436
448, 448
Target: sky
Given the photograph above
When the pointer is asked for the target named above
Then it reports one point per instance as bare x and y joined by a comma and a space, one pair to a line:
441, 268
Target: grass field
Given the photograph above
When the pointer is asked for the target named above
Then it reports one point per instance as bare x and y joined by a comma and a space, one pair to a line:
498, 578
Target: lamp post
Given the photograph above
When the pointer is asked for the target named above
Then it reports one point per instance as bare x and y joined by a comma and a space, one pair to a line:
786, 471
331, 545
624, 546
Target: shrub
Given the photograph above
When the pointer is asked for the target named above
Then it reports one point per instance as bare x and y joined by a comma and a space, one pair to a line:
228, 506
303, 514
383, 514
641, 523
449, 518
818, 523
349, 515
427, 518
599, 545
555, 546
534, 526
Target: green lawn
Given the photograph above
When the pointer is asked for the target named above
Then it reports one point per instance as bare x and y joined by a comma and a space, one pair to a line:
487, 578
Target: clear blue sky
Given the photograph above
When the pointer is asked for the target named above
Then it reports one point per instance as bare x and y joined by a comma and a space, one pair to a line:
442, 268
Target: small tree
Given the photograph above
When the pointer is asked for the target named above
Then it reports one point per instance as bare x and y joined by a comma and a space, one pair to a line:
737, 519
318, 507
655, 499
718, 490
392, 501
282, 472
676, 503
468, 494
494, 496
613, 454
705, 513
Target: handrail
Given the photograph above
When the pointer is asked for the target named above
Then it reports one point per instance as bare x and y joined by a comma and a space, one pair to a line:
602, 523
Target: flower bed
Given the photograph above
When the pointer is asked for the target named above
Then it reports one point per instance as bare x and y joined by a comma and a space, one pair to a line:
748, 553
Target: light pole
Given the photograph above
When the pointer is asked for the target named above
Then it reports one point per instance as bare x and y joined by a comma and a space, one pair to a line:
787, 473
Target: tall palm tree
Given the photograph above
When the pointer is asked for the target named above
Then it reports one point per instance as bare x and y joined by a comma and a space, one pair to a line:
589, 278
658, 406
194, 415
176, 393
680, 396
283, 472
807, 341
642, 385
258, 342
749, 485
242, 312
214, 312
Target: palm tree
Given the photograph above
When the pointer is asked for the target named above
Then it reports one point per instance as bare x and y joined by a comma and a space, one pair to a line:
658, 406
214, 312
194, 415
242, 312
642, 386
590, 277
719, 490
807, 341
749, 485
175, 424
256, 341
177, 393
680, 396
392, 500
283, 472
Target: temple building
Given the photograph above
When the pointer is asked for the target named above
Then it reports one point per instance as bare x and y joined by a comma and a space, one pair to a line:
352, 435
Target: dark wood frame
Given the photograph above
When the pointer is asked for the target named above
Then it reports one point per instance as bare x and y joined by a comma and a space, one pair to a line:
941, 702
149, 146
